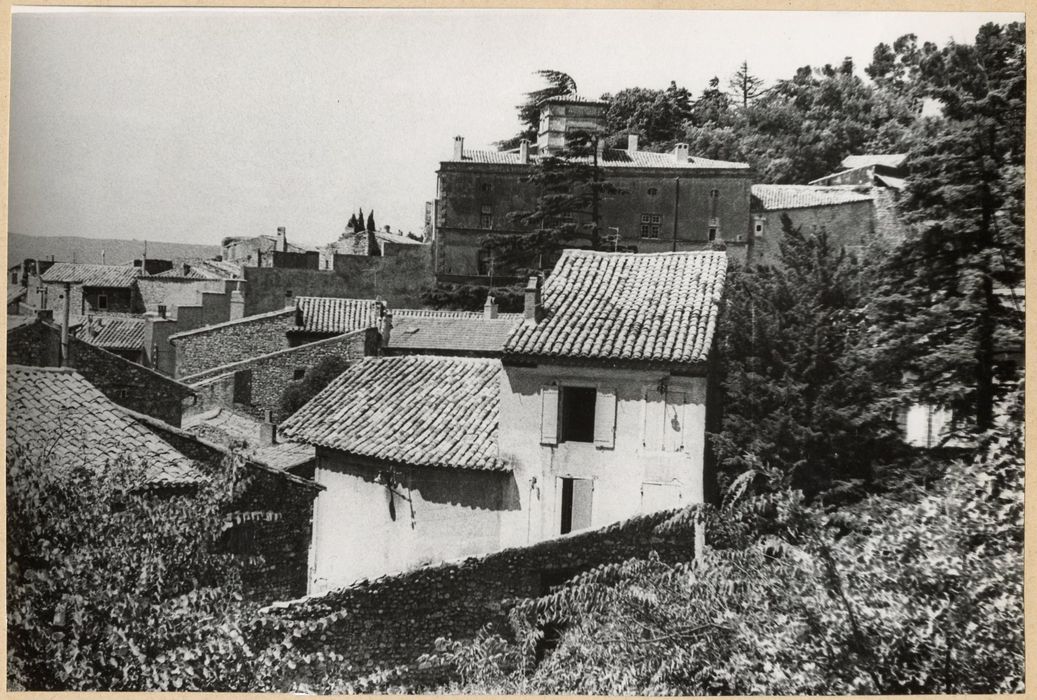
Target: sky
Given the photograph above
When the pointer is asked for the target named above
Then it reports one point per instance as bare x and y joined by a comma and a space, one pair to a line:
192, 125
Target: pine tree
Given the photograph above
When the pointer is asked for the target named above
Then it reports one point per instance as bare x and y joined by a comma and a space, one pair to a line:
795, 397
570, 187
352, 222
360, 221
370, 221
941, 319
745, 86
558, 83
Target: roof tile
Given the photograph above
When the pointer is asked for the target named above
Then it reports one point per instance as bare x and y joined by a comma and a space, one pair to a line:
333, 315
420, 410
658, 307
57, 412
92, 275
778, 197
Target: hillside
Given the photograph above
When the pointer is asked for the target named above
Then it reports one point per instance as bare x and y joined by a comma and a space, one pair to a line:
117, 251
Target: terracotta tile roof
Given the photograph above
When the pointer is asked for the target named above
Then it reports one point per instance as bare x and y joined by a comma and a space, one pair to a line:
779, 197
332, 315
92, 275
116, 333
202, 270
56, 412
891, 160
612, 158
416, 409
656, 307
453, 331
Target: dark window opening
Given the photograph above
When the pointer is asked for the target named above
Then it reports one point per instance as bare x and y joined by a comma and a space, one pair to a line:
577, 413
102, 301
759, 228
712, 233
486, 187
486, 217
243, 386
576, 505
652, 191
714, 194
299, 374
14, 278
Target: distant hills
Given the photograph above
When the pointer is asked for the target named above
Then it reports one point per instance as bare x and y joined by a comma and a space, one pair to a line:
88, 250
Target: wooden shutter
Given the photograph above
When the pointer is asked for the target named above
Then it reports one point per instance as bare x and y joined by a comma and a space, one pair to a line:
605, 419
583, 498
549, 415
676, 416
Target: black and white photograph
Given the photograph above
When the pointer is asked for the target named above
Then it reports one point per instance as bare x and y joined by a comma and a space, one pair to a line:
515, 351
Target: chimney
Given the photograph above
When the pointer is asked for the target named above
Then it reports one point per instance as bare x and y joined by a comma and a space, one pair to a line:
102, 256
524, 151
186, 269
632, 144
458, 148
681, 153
289, 300
237, 305
282, 239
534, 310
267, 429
490, 309
64, 321
386, 328
162, 310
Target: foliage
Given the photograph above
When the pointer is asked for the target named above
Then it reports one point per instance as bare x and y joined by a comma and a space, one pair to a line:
470, 297
114, 588
939, 316
745, 86
570, 187
299, 392
658, 116
370, 221
919, 593
796, 397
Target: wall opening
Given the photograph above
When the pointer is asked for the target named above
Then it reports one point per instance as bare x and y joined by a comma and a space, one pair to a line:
577, 413
577, 495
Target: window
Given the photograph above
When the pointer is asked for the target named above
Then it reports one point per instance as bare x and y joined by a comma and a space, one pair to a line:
712, 233
577, 495
14, 277
577, 414
652, 191
651, 225
485, 262
102, 302
299, 373
486, 217
759, 227
486, 187
713, 194
243, 386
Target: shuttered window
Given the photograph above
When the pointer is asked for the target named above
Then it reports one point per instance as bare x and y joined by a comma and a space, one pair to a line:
605, 419
549, 415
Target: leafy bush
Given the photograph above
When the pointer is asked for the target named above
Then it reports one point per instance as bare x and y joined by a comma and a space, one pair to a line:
920, 593
114, 588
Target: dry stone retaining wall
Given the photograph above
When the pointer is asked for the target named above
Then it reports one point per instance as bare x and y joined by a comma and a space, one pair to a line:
390, 622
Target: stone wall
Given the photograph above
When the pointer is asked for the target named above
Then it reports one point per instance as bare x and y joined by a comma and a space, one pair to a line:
399, 279
849, 225
270, 374
393, 620
126, 383
277, 547
214, 346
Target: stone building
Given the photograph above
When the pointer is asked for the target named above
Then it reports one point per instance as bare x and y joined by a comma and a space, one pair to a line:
667, 201
93, 288
595, 411
257, 251
847, 215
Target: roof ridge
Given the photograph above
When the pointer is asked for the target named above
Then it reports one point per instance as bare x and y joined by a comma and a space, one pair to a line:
36, 368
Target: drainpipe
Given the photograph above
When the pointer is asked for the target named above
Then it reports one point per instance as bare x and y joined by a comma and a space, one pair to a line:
676, 209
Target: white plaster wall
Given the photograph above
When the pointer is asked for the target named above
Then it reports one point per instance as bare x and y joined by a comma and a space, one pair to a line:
440, 514
674, 476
